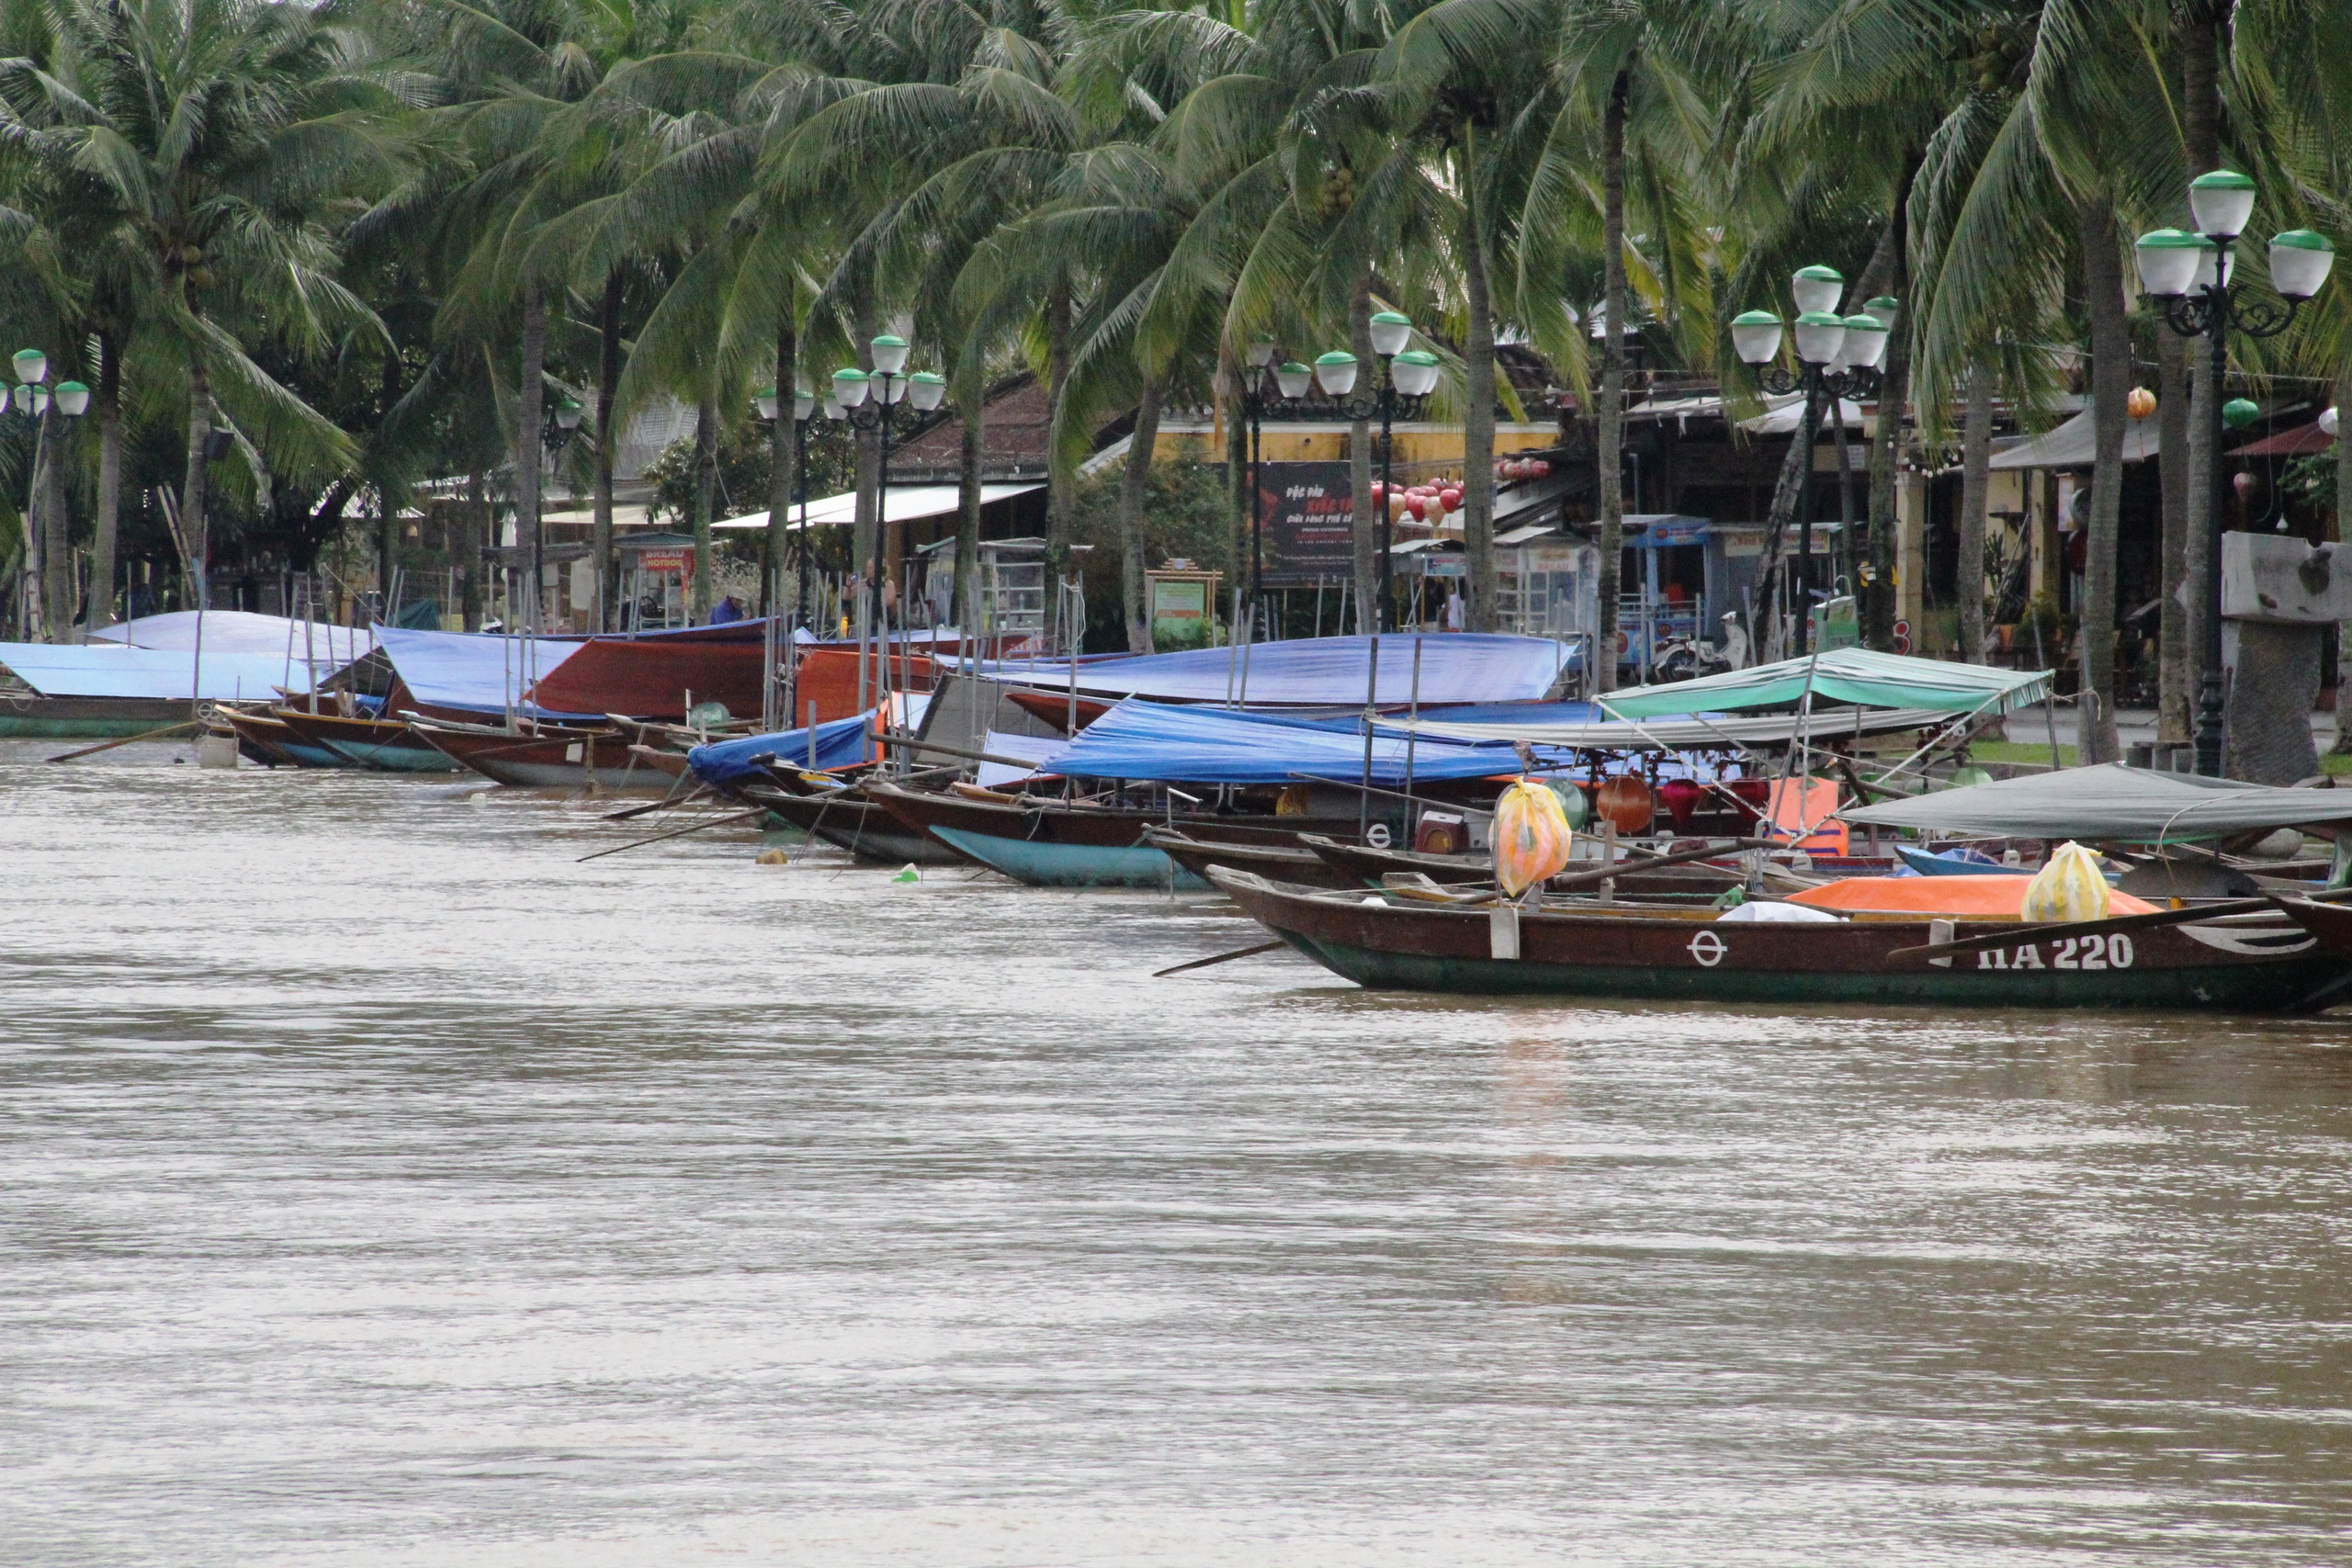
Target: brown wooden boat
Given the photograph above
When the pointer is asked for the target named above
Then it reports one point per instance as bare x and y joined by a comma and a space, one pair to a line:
1280, 863
2227, 958
546, 757
381, 745
847, 821
267, 740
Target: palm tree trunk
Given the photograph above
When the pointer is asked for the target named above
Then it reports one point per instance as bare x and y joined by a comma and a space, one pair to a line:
1479, 389
705, 498
609, 380
1772, 638
529, 410
967, 608
107, 531
783, 451
1364, 529
2175, 680
1877, 604
2111, 384
1131, 516
1975, 486
192, 499
1061, 478
57, 537
1613, 374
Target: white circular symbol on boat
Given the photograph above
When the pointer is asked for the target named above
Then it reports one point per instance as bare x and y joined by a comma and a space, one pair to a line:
1707, 948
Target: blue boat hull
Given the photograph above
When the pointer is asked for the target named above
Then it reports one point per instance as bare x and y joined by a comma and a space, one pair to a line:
1073, 865
395, 759
1927, 863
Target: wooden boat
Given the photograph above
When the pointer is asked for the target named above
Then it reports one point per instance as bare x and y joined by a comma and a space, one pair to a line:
546, 757
1279, 862
381, 745
1051, 819
1365, 865
847, 821
25, 715
267, 740
1042, 862
2228, 958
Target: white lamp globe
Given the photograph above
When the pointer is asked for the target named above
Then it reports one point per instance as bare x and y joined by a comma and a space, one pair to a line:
2300, 260
1865, 340
1820, 335
2221, 202
1817, 289
1337, 371
925, 390
1293, 379
567, 411
804, 403
850, 387
1755, 336
833, 408
2167, 261
1262, 352
1390, 332
2327, 422
888, 389
764, 400
889, 355
73, 398
32, 366
1415, 373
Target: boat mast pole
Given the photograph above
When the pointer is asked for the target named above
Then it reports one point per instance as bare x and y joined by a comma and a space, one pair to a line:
1412, 735
1371, 697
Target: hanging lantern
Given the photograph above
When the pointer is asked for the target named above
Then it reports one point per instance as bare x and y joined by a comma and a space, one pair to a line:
2141, 403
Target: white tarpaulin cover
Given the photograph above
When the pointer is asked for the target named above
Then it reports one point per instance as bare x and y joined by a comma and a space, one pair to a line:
1325, 671
241, 631
110, 670
2110, 802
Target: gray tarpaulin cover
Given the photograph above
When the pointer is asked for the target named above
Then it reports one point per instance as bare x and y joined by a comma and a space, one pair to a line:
2110, 802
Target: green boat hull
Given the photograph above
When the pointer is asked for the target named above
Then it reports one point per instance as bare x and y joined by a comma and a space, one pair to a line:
1042, 865
394, 759
2301, 986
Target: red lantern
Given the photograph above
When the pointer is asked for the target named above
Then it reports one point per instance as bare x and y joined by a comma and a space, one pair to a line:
1451, 499
1416, 505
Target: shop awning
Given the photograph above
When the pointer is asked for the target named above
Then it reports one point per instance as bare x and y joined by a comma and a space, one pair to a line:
904, 503
2302, 441
1846, 675
2074, 446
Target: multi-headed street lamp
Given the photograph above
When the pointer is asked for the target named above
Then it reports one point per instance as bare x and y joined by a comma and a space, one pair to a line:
1837, 356
867, 401
2189, 276
1403, 374
804, 409
32, 399
1291, 380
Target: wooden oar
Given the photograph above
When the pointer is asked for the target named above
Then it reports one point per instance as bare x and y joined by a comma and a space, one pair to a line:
1220, 958
127, 739
689, 828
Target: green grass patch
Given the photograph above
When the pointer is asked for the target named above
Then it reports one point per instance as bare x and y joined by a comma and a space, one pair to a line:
2026, 752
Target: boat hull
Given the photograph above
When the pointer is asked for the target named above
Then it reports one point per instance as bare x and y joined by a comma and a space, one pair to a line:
1041, 863
87, 718
557, 759
858, 826
268, 741
1667, 955
1273, 861
378, 745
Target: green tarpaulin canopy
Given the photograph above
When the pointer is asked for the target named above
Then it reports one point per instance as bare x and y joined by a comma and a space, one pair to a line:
1844, 676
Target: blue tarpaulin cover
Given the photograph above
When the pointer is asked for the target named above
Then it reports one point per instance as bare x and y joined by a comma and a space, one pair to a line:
466, 670
110, 670
1327, 672
1157, 741
840, 744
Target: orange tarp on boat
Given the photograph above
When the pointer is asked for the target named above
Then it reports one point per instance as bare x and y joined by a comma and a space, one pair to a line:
1995, 898
1805, 811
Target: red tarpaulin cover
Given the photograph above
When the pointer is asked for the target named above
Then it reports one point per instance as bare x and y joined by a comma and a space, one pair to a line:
650, 679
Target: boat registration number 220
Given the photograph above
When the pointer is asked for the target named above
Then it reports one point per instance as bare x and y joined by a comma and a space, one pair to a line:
2111, 950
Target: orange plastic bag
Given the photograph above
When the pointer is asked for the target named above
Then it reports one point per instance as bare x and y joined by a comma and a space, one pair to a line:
1531, 837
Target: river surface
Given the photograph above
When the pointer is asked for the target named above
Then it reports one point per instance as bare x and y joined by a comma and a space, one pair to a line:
383, 1186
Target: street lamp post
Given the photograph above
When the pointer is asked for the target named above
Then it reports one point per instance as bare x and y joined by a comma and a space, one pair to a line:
867, 401
34, 401
1291, 379
1837, 356
2189, 276
1409, 374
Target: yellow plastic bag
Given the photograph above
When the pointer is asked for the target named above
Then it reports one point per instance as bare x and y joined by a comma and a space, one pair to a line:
1531, 837
2070, 888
